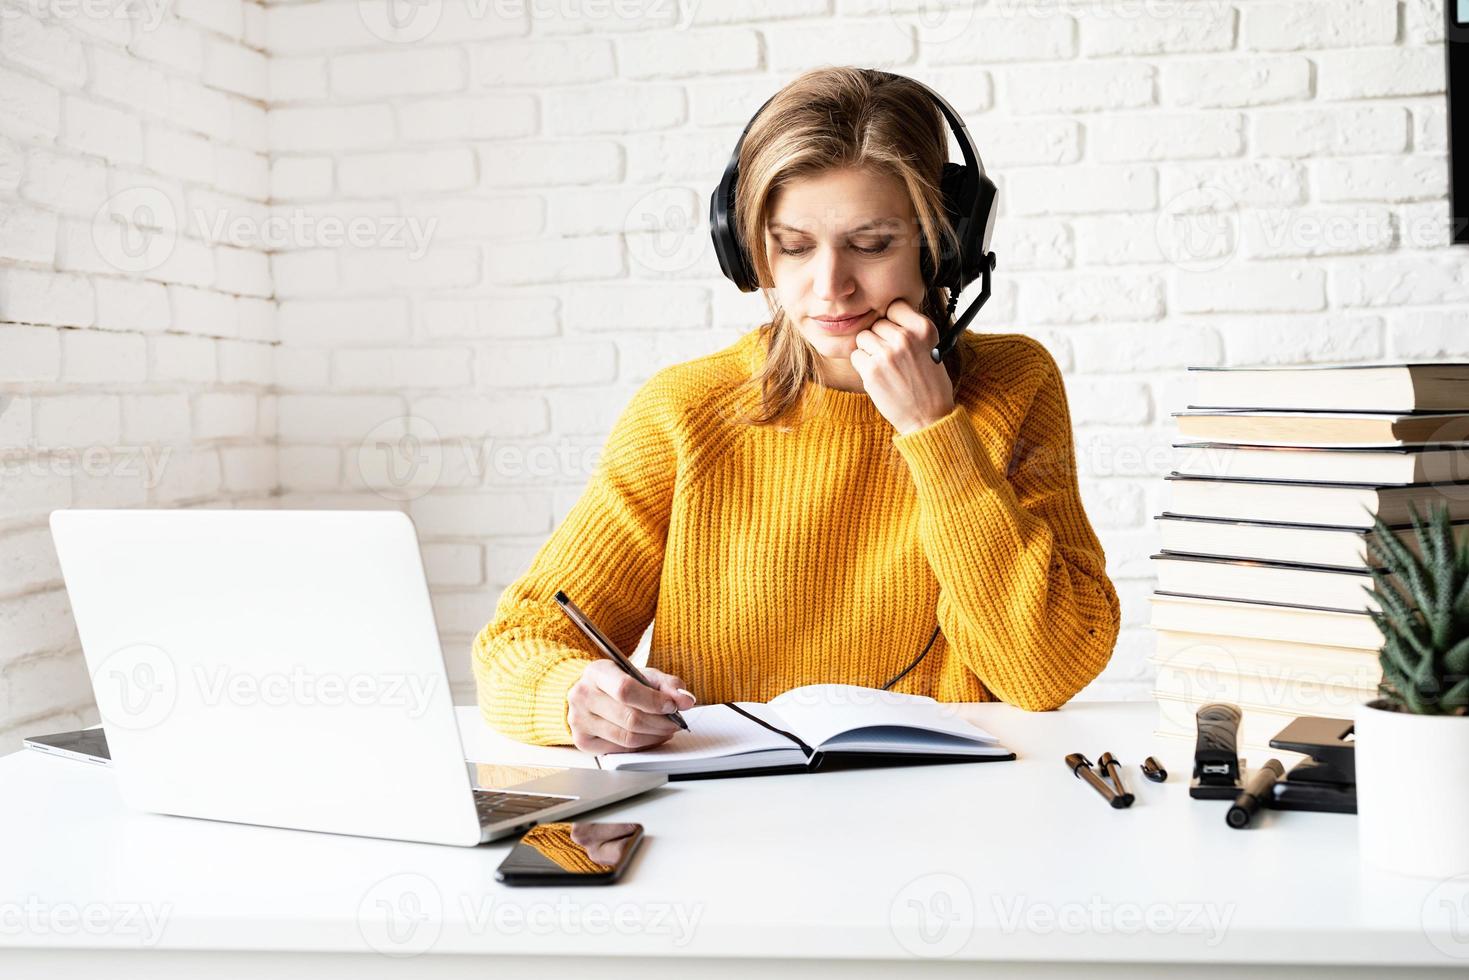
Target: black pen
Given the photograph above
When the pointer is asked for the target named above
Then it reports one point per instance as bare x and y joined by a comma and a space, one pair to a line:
607, 647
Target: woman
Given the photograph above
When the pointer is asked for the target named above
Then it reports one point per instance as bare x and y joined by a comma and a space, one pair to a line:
802, 506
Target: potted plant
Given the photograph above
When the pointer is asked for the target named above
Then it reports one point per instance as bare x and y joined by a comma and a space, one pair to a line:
1413, 741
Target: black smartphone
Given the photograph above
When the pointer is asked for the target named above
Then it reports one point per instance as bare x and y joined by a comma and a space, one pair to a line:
577, 853
87, 745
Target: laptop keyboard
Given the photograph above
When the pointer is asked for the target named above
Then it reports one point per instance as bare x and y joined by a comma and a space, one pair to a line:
494, 805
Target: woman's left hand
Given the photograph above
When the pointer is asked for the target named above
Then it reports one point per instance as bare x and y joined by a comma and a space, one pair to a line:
899, 375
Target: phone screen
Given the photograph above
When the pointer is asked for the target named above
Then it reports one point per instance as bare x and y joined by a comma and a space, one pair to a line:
90, 742
571, 853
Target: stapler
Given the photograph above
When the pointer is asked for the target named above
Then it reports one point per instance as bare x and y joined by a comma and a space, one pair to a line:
1327, 781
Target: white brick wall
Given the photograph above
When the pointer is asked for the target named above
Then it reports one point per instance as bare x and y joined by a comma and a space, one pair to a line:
485, 226
118, 386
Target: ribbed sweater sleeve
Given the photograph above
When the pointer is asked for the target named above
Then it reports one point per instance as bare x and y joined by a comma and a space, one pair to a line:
607, 555
1024, 598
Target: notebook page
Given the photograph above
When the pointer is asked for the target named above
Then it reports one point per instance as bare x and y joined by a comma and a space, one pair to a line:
819, 712
715, 732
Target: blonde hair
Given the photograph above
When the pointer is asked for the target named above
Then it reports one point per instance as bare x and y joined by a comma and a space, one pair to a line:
825, 119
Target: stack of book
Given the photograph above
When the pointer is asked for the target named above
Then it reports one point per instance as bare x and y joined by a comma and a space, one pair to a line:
1263, 584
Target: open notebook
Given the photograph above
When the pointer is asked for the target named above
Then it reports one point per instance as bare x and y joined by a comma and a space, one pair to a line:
806, 726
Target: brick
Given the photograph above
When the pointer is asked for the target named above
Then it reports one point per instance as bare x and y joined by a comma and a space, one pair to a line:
391, 173
179, 154
300, 178
244, 271
538, 364
1080, 87
1333, 131
155, 418
335, 417
1078, 298
614, 109
27, 234
42, 297
28, 561
757, 11
876, 44
243, 172
204, 110
1428, 334
530, 61
225, 17
95, 128
234, 68
29, 353
383, 74
176, 44
1166, 136
435, 268
47, 49
479, 416
555, 260
500, 316
1311, 26
698, 53
1134, 348
297, 80
129, 81
102, 357
449, 564
248, 469
332, 323
77, 421
192, 475
204, 311
333, 129
1385, 178
225, 415
469, 117
34, 623
689, 156
1316, 230
1229, 82
15, 422
306, 273
1260, 288
550, 164
1232, 184
172, 357
12, 162
459, 219
1293, 339
69, 184
305, 28
960, 35
1398, 281
1181, 27
1032, 141
481, 515
637, 307
1379, 72
245, 362
28, 109
431, 367
1047, 190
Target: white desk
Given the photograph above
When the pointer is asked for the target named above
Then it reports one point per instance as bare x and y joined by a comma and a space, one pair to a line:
1013, 863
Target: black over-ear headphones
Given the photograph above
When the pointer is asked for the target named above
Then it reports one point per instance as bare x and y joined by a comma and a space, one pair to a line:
969, 198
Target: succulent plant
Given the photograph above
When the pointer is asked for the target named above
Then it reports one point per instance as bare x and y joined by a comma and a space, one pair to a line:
1423, 615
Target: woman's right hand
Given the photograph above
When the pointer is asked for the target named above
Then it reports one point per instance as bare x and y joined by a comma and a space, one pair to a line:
608, 711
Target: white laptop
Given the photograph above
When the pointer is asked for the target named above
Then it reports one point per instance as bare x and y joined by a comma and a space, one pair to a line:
283, 668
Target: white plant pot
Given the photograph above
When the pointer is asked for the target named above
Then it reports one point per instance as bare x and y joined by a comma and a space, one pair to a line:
1412, 791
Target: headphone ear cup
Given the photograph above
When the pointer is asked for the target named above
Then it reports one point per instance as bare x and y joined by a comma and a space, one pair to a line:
948, 267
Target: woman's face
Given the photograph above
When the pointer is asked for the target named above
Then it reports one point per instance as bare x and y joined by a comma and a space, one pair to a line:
840, 243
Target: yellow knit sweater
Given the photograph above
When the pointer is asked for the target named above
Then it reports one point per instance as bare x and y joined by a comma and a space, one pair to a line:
768, 559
